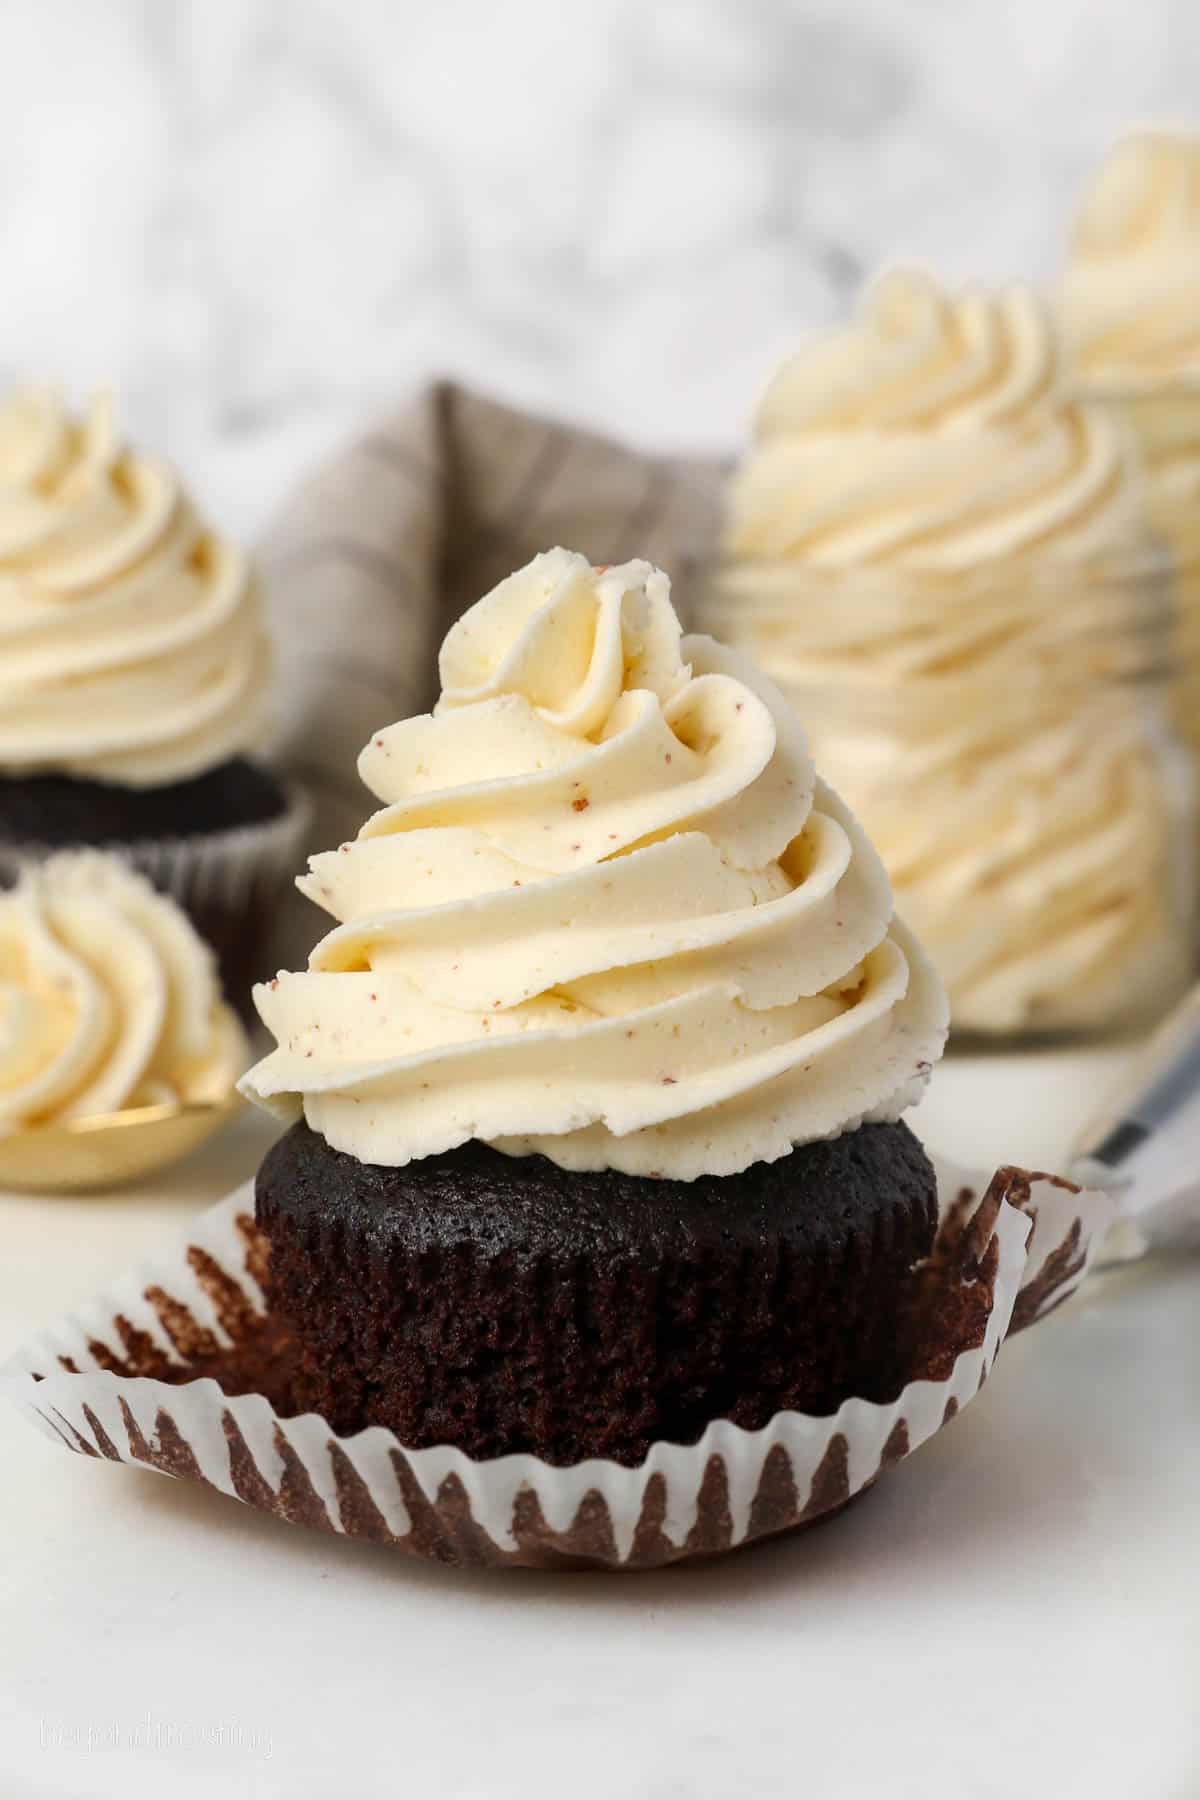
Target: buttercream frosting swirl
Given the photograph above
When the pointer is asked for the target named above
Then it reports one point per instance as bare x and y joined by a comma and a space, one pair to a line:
945, 560
933, 435
607, 911
1131, 297
132, 645
1039, 856
1130, 304
108, 998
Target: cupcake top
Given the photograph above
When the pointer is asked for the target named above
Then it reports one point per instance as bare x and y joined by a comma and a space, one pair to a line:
1131, 297
108, 999
132, 646
933, 436
607, 912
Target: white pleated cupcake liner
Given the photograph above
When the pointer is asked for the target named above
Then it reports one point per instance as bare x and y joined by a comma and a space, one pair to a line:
112, 1380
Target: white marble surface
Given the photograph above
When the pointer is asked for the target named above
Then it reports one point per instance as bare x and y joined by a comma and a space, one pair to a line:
1012, 1611
262, 217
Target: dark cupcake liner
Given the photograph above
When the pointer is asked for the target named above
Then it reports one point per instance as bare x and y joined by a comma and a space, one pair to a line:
180, 1368
230, 883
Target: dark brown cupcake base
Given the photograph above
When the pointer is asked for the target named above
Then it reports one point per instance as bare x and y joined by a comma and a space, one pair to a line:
504, 1305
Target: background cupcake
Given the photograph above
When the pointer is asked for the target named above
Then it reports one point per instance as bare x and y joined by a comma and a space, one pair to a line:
110, 1000
600, 1074
949, 565
110, 1004
134, 672
1131, 309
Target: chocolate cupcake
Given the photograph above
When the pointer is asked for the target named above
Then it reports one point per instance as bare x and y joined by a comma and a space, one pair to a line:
133, 680
601, 1070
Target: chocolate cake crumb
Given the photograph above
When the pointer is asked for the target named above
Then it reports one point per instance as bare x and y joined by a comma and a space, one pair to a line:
504, 1304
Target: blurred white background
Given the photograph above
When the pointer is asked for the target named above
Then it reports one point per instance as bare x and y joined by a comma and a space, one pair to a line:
263, 219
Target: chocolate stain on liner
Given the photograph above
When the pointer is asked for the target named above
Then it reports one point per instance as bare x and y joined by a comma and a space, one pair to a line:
104, 1443
74, 1440
1051, 1286
298, 1501
357, 1511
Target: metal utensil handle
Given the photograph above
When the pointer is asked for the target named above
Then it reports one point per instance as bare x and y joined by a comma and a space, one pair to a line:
1164, 1081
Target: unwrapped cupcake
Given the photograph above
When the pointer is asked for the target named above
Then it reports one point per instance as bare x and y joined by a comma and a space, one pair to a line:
134, 676
595, 1087
949, 565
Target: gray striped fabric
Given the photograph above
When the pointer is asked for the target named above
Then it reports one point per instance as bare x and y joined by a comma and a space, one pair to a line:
379, 551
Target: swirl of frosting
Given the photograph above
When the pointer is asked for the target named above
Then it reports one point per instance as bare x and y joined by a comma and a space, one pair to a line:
108, 999
1131, 297
132, 646
928, 521
932, 436
607, 912
1039, 856
1130, 304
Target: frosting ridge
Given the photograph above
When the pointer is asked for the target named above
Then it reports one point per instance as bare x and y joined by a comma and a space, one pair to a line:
132, 644
108, 998
932, 435
1132, 288
948, 563
1130, 302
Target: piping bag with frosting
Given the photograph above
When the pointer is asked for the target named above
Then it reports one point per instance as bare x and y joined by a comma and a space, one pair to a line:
607, 911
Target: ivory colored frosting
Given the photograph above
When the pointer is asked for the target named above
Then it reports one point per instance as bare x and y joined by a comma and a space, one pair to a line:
132, 646
607, 911
1130, 304
108, 999
941, 556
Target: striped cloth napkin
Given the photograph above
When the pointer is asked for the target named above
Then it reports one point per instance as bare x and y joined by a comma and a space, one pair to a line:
379, 551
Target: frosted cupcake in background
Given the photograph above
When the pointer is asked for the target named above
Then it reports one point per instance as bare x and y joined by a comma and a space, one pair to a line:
110, 1005
1130, 305
108, 999
134, 678
949, 566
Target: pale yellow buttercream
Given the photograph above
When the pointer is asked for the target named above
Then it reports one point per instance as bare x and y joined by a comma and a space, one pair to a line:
108, 998
948, 563
1130, 303
132, 644
607, 913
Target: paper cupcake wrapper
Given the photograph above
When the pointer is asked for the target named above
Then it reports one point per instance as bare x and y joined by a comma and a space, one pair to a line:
116, 1380
215, 868
228, 870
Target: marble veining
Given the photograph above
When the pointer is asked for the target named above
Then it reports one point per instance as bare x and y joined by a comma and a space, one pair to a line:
263, 219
